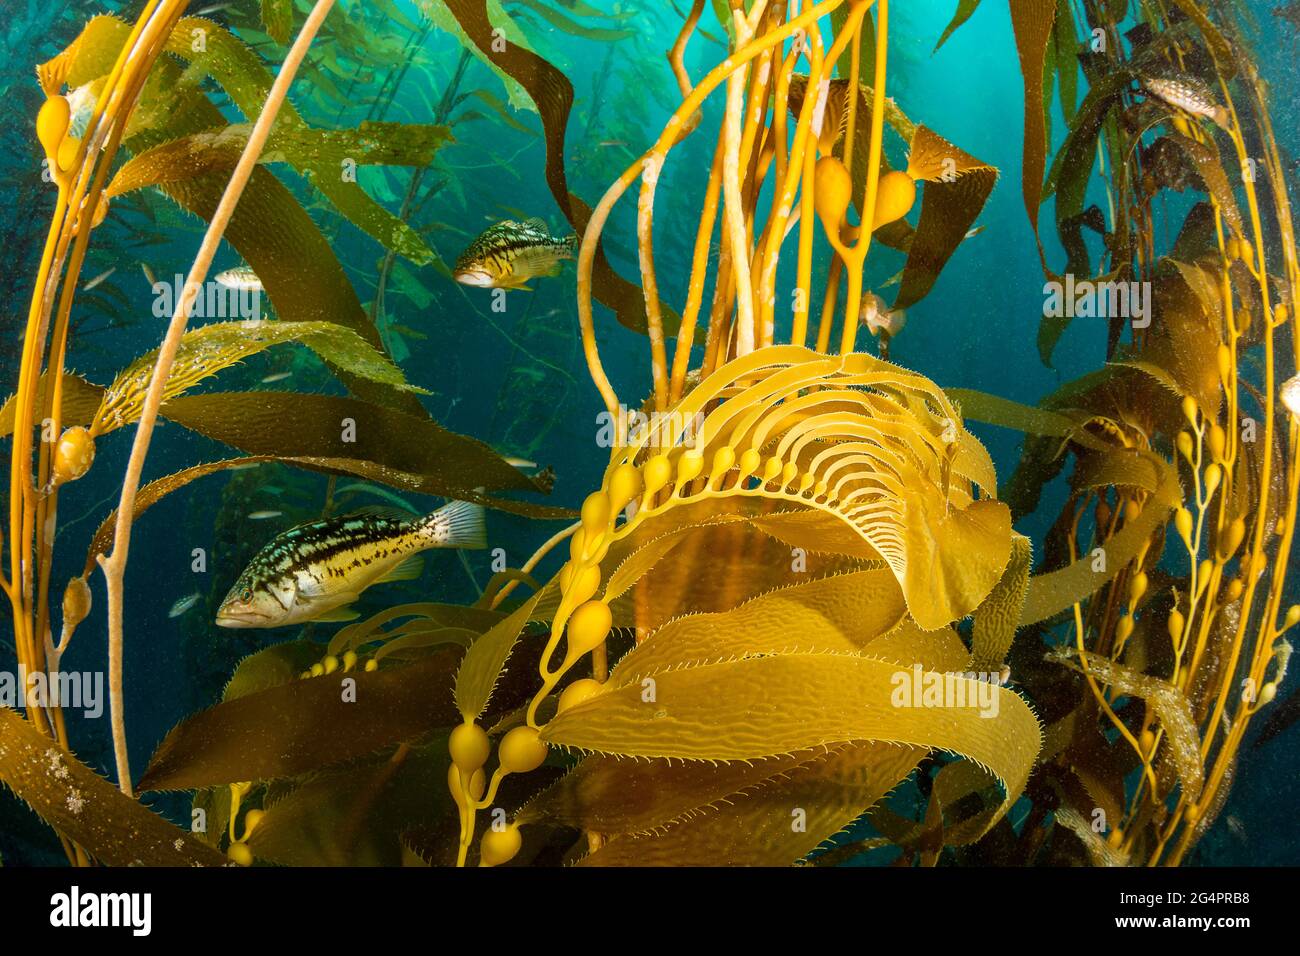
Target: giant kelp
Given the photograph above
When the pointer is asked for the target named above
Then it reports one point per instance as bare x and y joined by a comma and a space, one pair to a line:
792, 539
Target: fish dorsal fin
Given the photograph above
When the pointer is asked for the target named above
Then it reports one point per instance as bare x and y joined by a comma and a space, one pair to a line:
383, 511
537, 223
408, 570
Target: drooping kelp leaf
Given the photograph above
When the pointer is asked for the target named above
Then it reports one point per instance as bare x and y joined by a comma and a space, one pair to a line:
206, 350
487, 657
611, 796
306, 725
792, 702
1032, 22
552, 94
997, 618
88, 810
246, 80
1170, 704
841, 613
476, 620
292, 425
1205, 159
1066, 55
354, 815
270, 667
1184, 338
80, 400
294, 261
754, 826
1031, 419
1052, 593
443, 18
957, 185
572, 27
277, 18
965, 8
218, 150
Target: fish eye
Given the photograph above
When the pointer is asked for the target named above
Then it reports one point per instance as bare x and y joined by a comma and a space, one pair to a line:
246, 594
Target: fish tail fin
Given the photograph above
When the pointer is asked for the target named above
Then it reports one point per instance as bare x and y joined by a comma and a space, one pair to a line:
571, 243
460, 524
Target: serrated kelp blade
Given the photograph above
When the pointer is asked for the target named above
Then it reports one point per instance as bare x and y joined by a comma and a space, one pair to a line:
953, 562
80, 401
277, 18
997, 618
610, 795
305, 725
791, 702
320, 822
842, 613
292, 425
778, 822
1171, 706
487, 658
205, 351
1031, 21
85, 808
1055, 591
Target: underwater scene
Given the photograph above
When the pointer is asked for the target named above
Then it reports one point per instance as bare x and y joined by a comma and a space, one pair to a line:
694, 433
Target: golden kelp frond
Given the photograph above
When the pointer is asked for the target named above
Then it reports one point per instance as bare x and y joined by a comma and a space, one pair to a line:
754, 826
207, 350
863, 440
80, 401
274, 733
957, 185
81, 805
792, 702
1170, 705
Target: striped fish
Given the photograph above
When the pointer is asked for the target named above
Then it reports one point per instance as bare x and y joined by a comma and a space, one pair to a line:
314, 571
1185, 92
510, 253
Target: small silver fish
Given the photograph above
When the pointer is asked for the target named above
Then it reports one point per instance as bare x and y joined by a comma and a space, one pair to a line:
277, 377
184, 604
510, 253
1186, 92
263, 515
98, 279
242, 278
314, 571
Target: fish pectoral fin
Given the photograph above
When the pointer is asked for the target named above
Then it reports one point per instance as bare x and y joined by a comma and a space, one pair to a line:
408, 570
339, 614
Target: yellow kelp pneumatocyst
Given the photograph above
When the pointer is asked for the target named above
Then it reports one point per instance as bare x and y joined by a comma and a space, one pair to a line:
577, 693
831, 194
521, 750
500, 846
588, 628
469, 746
52, 125
74, 454
895, 196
